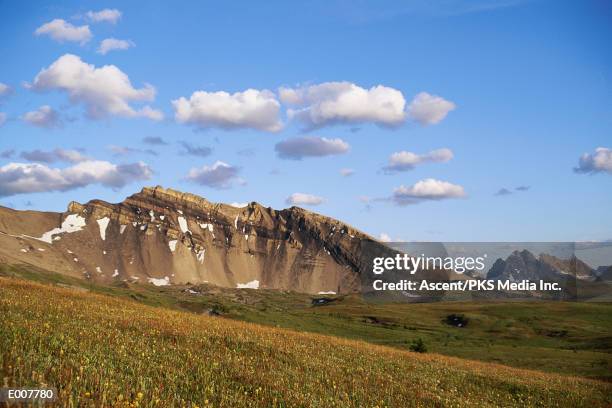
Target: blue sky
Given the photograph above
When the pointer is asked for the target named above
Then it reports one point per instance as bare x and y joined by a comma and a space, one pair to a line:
516, 91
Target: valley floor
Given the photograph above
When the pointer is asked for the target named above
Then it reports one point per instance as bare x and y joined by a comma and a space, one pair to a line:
103, 350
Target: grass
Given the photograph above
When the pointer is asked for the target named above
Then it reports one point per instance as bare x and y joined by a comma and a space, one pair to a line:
103, 350
560, 337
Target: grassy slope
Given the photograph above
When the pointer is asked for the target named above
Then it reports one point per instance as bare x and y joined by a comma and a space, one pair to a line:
562, 337
103, 350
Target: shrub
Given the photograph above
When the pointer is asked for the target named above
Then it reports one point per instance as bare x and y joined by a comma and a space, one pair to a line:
418, 346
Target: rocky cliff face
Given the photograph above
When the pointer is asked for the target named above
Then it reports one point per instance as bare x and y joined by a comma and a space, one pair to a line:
164, 237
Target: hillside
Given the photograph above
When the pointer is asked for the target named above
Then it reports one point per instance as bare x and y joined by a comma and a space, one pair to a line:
109, 351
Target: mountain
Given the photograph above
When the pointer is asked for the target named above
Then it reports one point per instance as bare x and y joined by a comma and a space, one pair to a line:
604, 273
163, 236
521, 265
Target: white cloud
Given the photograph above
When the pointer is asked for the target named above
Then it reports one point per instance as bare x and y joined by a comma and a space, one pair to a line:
428, 189
249, 109
110, 44
304, 199
5, 89
310, 146
2, 118
598, 162
71, 156
219, 175
402, 161
22, 178
104, 91
43, 117
347, 172
106, 15
384, 237
61, 30
429, 109
332, 103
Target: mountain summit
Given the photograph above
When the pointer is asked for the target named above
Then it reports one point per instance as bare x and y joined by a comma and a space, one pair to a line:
163, 236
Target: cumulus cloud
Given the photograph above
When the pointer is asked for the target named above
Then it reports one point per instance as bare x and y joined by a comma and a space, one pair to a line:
310, 146
347, 172
106, 15
71, 156
598, 162
332, 103
104, 91
304, 199
429, 109
154, 140
61, 30
252, 109
22, 178
193, 150
5, 90
424, 190
403, 161
219, 175
384, 237
43, 117
112, 44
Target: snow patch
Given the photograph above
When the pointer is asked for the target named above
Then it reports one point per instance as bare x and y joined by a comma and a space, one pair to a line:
103, 223
236, 222
172, 245
239, 205
72, 223
209, 227
152, 215
24, 250
116, 273
327, 293
254, 284
160, 282
200, 256
122, 229
98, 269
183, 224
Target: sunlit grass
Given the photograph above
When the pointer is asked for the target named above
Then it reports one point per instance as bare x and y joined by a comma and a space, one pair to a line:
104, 351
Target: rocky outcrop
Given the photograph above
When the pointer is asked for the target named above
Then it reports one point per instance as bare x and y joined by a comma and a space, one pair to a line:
521, 265
164, 236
